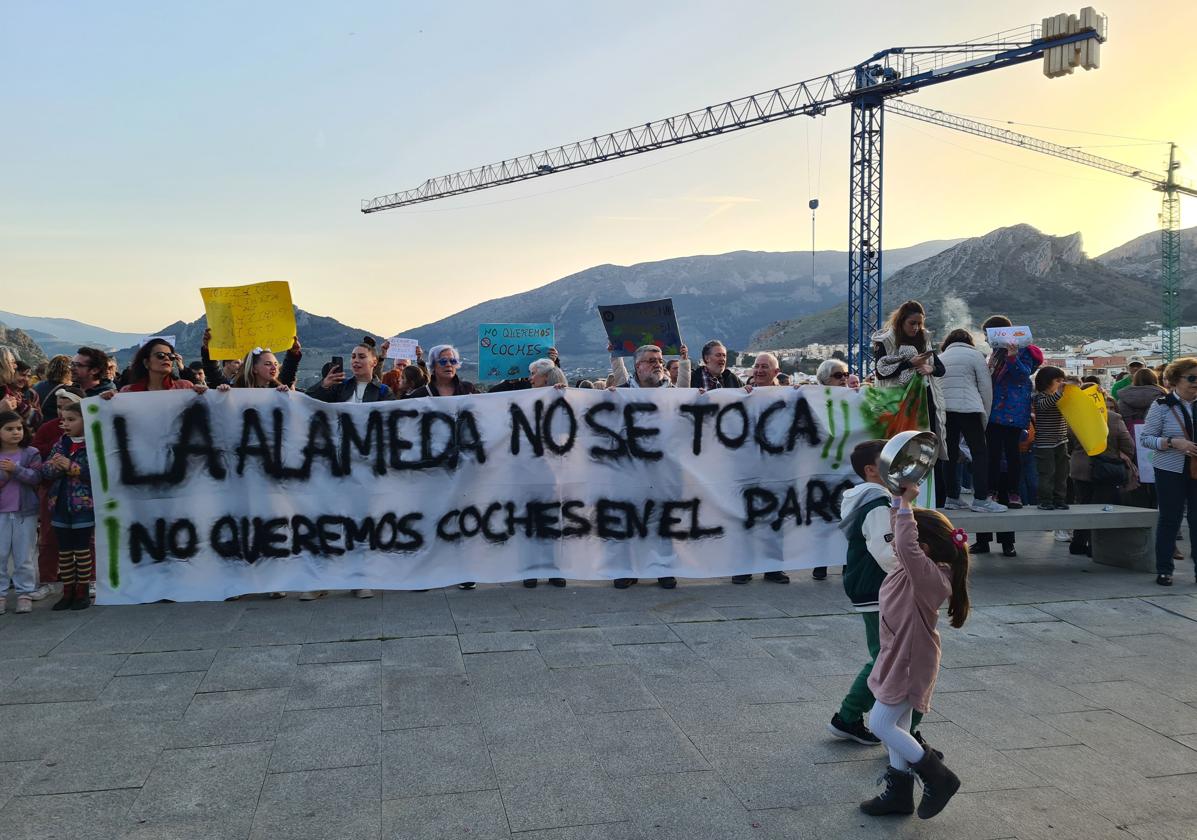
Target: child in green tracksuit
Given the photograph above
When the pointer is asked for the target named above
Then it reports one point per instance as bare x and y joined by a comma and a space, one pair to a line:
865, 520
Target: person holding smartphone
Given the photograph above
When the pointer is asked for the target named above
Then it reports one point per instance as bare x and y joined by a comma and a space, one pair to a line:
902, 350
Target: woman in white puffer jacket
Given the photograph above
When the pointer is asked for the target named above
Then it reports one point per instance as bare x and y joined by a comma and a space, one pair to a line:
968, 396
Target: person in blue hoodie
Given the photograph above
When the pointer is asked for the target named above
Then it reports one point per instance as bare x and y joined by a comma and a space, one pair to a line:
865, 520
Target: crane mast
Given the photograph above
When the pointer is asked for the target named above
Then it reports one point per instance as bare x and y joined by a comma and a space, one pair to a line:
1065, 42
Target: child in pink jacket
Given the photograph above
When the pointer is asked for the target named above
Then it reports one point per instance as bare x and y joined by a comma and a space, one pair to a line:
932, 568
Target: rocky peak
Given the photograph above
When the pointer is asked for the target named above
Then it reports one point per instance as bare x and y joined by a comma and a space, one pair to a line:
22, 346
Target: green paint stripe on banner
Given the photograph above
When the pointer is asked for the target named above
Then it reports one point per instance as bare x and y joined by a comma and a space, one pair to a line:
113, 526
97, 436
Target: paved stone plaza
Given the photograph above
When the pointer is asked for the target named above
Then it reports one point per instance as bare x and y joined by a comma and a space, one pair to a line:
1067, 704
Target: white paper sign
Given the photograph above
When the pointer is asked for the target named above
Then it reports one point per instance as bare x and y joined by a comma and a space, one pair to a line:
169, 339
402, 348
203, 496
1002, 336
1143, 456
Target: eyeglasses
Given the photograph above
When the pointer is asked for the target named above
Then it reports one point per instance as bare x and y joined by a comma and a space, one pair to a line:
448, 362
840, 374
160, 356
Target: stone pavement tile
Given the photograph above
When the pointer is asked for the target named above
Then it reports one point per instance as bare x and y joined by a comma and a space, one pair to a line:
607, 688
102, 752
412, 699
844, 821
1107, 787
1068, 640
68, 816
685, 806
151, 696
435, 760
337, 630
1168, 648
56, 679
12, 777
716, 640
772, 628
621, 618
1141, 749
517, 668
14, 648
339, 804
545, 617
27, 732
336, 684
496, 642
1116, 616
320, 653
1185, 605
168, 640
1174, 830
113, 630
639, 634
736, 612
258, 667
202, 792
996, 720
505, 716
979, 766
767, 680
230, 717
672, 659
639, 743
425, 621
167, 663
322, 739
1039, 813
816, 655
1027, 690
677, 605
490, 620
576, 648
1143, 705
478, 815
1013, 614
425, 654
698, 707
602, 831
547, 798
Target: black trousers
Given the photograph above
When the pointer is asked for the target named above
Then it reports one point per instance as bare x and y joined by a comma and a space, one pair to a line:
1176, 492
1003, 440
972, 426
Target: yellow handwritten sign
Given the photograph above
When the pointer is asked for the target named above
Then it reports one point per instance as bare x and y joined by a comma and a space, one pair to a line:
1085, 411
244, 317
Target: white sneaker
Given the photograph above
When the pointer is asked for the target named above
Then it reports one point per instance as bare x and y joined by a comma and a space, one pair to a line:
955, 504
311, 596
24, 604
363, 593
40, 593
3, 604
1063, 536
988, 506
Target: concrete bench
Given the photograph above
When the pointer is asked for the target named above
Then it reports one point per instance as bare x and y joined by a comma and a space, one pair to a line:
1122, 536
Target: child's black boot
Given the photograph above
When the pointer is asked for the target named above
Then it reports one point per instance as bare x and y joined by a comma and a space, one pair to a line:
897, 798
939, 784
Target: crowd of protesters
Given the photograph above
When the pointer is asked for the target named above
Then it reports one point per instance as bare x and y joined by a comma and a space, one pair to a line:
996, 416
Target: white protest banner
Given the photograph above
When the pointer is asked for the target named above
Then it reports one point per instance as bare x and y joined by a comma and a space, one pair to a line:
1002, 336
402, 348
199, 497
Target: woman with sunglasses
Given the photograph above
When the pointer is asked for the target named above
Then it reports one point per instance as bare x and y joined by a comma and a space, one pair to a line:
1171, 430
445, 362
153, 369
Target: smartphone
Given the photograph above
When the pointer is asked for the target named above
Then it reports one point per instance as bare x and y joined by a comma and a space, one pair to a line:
338, 363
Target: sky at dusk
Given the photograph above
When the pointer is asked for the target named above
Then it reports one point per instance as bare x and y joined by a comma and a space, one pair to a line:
153, 148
